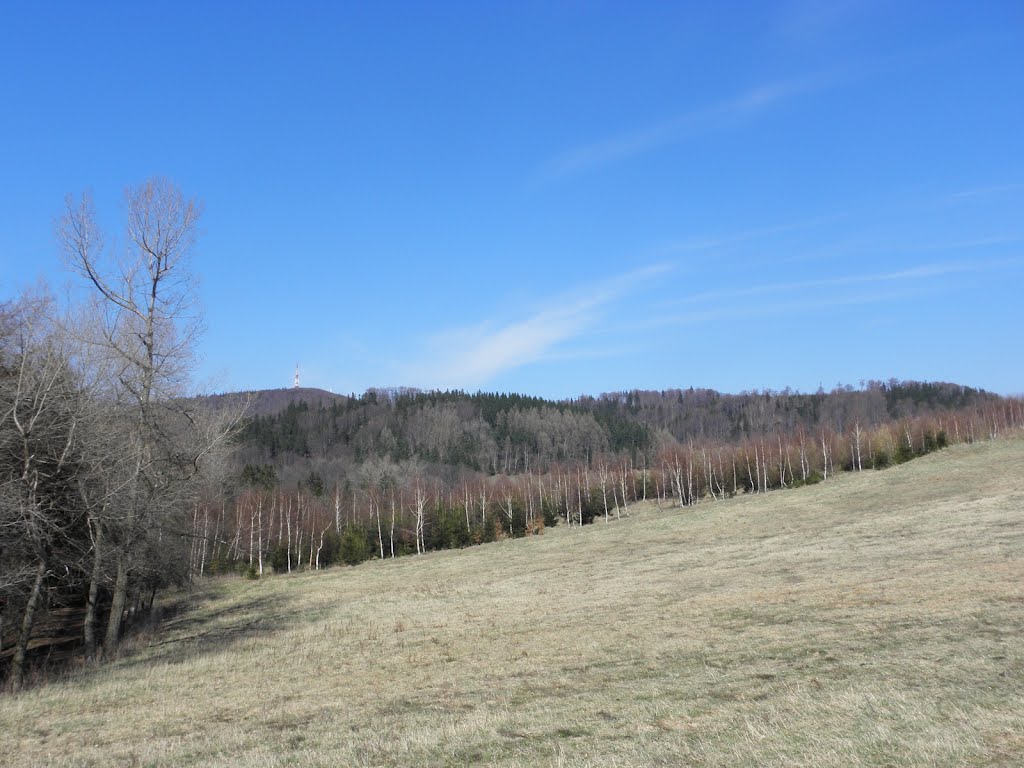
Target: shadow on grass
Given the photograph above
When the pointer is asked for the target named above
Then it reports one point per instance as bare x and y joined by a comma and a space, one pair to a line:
188, 628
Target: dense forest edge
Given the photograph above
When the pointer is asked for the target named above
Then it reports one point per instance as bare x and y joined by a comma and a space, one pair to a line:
398, 472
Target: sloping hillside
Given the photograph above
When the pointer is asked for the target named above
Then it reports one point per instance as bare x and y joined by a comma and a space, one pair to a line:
874, 619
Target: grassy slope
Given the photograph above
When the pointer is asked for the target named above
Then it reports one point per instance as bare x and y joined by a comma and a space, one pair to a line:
876, 619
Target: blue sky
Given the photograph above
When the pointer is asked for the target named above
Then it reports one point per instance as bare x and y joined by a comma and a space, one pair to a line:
549, 198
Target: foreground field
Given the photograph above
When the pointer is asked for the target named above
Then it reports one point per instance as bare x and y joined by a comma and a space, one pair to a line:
876, 619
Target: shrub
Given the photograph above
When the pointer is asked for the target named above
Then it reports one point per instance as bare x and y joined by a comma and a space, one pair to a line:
331, 550
550, 514
930, 442
904, 451
279, 557
354, 545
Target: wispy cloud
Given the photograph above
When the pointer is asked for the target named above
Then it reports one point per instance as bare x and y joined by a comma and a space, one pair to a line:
472, 356
913, 273
805, 296
963, 245
992, 189
670, 131
712, 242
799, 306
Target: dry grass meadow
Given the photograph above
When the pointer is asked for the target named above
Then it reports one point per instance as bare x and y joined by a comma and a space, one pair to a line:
876, 619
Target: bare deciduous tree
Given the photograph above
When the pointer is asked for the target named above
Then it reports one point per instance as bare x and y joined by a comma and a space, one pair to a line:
41, 415
146, 322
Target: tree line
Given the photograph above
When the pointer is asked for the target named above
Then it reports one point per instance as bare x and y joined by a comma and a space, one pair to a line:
383, 508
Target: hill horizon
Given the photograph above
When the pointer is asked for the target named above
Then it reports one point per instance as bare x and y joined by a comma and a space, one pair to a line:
396, 391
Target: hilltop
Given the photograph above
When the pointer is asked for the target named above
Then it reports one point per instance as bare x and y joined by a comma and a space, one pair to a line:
870, 620
270, 402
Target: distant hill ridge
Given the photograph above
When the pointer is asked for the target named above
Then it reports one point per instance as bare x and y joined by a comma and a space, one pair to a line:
268, 402
507, 433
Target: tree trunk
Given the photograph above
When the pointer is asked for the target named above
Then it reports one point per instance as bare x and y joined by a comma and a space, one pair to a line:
380, 533
392, 534
117, 605
643, 469
259, 516
89, 632
320, 547
28, 618
312, 543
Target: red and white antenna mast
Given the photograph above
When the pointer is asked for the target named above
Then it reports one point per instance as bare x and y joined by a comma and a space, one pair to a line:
296, 376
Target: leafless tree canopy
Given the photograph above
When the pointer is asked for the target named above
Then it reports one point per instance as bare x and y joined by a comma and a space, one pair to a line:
101, 452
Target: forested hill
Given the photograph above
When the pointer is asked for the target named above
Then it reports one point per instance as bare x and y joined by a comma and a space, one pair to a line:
270, 402
298, 429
